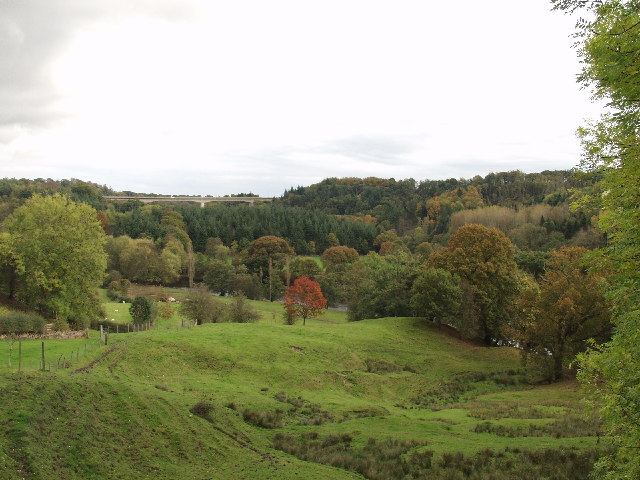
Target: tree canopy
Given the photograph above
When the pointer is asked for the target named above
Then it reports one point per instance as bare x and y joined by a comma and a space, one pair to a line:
304, 299
483, 258
608, 40
56, 247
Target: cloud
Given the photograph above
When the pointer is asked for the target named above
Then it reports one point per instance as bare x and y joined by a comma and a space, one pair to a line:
381, 149
32, 36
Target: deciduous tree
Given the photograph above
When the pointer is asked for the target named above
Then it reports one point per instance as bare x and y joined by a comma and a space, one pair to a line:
304, 299
483, 258
200, 307
142, 310
554, 321
219, 277
57, 249
335, 259
436, 294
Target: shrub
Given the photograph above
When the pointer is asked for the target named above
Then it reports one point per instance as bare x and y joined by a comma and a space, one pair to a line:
393, 459
200, 307
203, 409
382, 366
241, 311
263, 419
303, 412
15, 323
142, 310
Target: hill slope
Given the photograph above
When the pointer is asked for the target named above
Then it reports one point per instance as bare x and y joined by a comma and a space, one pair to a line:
130, 412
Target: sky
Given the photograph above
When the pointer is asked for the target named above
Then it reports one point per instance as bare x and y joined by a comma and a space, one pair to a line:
218, 97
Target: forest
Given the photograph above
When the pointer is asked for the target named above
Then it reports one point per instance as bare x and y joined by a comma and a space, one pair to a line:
491, 257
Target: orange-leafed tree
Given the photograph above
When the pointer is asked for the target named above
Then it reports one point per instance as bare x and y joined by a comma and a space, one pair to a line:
304, 299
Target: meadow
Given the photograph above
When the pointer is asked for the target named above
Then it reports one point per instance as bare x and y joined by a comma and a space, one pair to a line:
381, 398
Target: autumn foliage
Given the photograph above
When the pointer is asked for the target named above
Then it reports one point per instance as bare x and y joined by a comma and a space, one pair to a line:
304, 299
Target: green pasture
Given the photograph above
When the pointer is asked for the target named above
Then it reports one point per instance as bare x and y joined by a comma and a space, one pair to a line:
129, 413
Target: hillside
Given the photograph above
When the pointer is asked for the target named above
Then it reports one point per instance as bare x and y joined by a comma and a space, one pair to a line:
124, 410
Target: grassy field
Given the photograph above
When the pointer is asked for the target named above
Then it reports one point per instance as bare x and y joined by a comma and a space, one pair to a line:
213, 402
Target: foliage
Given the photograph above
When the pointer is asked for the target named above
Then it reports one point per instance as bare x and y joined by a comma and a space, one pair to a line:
554, 321
219, 276
304, 229
532, 262
335, 259
200, 307
304, 299
608, 42
483, 258
119, 289
378, 286
406, 204
397, 459
247, 283
269, 247
241, 311
305, 267
13, 323
143, 310
56, 248
436, 294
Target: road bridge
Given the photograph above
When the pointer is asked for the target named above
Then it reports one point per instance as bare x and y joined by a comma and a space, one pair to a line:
200, 200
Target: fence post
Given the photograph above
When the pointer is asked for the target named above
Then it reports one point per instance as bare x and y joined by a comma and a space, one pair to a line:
43, 363
101, 333
106, 339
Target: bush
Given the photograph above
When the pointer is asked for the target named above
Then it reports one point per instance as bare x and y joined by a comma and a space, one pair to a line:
143, 310
240, 311
200, 307
263, 419
203, 409
304, 412
394, 459
15, 323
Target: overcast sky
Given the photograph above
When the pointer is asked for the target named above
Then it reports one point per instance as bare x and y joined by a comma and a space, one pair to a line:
219, 97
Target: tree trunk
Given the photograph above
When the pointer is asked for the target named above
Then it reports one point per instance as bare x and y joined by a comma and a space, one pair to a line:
557, 367
191, 265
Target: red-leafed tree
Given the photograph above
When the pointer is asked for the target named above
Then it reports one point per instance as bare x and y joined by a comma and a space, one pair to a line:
304, 299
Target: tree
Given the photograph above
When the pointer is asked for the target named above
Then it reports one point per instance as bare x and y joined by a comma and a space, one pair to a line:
200, 307
142, 310
304, 299
379, 286
140, 261
57, 249
219, 276
436, 294
483, 258
554, 321
305, 267
335, 259
268, 247
609, 42
332, 239
119, 289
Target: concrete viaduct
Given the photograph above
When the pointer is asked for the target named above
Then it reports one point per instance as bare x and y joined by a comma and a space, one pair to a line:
201, 200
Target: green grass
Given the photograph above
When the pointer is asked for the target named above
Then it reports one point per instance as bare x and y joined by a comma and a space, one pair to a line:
128, 416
